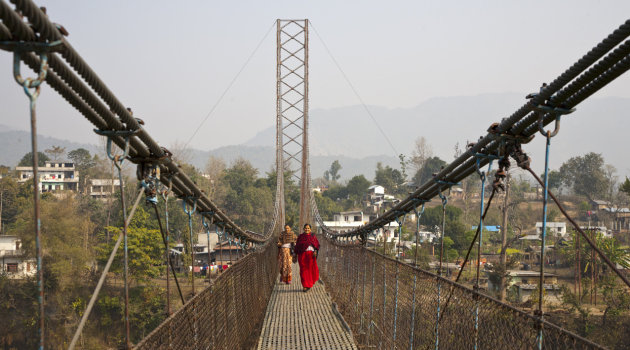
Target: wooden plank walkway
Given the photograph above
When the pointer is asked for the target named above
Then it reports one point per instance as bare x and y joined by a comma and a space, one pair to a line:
298, 320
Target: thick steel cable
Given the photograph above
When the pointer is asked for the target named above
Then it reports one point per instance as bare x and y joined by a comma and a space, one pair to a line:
5, 33
582, 64
99, 285
111, 121
48, 31
523, 118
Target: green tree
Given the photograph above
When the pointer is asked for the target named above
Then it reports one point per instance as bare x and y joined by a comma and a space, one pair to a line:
145, 248
337, 192
240, 175
8, 201
625, 187
357, 187
388, 177
249, 200
27, 160
455, 228
326, 206
585, 175
67, 261
554, 181
431, 166
332, 174
83, 162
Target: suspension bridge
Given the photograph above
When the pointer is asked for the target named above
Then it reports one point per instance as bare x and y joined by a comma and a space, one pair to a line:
365, 299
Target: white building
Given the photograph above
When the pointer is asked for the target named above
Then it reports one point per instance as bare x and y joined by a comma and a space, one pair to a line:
103, 188
557, 229
351, 220
53, 177
12, 260
376, 189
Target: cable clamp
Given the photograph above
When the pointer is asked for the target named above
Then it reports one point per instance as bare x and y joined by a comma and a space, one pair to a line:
203, 219
126, 135
186, 206
37, 47
548, 108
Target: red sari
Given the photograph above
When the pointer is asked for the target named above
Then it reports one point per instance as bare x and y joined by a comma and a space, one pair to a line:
309, 272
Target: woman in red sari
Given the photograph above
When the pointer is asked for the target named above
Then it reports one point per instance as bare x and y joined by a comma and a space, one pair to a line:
306, 248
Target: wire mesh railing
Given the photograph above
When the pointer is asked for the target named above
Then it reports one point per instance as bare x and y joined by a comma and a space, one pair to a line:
225, 315
392, 305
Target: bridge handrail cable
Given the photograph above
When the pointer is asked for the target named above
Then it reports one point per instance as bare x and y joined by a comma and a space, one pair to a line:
523, 122
142, 146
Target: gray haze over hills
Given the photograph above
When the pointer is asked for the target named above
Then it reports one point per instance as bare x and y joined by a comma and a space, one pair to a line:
349, 134
600, 125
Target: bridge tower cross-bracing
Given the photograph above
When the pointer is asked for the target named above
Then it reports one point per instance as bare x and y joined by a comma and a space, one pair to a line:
292, 110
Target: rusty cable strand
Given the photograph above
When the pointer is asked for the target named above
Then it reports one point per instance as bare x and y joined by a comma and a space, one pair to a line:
48, 29
577, 228
472, 245
524, 118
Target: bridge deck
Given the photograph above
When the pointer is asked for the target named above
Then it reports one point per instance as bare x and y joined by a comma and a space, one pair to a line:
298, 320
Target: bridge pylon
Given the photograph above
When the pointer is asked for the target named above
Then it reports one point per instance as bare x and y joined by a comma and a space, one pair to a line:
292, 109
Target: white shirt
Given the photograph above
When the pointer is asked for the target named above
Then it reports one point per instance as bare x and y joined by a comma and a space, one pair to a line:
286, 245
310, 249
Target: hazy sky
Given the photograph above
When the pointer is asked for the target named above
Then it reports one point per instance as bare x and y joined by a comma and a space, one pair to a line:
171, 61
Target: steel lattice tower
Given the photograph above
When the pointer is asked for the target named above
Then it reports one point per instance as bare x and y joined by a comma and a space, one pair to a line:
292, 107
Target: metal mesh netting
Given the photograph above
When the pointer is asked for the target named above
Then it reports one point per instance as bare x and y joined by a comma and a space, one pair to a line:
225, 315
389, 304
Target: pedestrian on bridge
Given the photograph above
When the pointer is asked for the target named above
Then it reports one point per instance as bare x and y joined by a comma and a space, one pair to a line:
306, 248
286, 245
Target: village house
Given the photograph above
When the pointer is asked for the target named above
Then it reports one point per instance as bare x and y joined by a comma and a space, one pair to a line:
13, 262
351, 220
524, 283
457, 193
598, 204
376, 199
53, 176
555, 229
619, 218
103, 188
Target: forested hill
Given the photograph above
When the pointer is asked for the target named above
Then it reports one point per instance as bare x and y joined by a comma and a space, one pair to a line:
15, 144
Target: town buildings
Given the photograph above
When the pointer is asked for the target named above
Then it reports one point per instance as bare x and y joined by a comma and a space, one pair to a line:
350, 220
103, 188
53, 176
